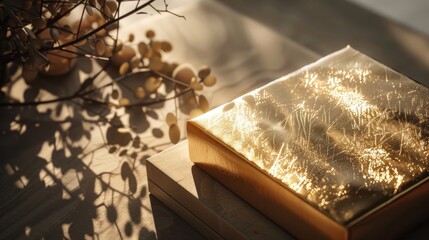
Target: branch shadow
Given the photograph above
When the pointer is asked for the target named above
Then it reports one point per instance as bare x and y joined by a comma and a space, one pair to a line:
68, 169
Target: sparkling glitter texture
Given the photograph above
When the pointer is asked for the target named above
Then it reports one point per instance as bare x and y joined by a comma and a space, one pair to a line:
345, 133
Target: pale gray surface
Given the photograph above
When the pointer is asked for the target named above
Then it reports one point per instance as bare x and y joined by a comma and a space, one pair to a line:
326, 26
413, 13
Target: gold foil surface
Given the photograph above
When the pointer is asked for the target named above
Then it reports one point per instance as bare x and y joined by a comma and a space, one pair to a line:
346, 133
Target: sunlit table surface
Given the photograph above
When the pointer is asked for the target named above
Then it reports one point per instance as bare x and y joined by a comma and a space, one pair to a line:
63, 176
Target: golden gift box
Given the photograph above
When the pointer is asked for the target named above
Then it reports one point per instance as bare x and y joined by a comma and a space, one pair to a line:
337, 150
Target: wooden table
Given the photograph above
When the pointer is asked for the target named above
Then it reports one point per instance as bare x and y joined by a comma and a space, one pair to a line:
60, 176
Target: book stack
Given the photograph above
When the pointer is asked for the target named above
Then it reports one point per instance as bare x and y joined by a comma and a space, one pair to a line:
338, 149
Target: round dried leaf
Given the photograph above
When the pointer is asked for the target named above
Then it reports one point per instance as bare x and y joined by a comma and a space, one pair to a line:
142, 47
123, 102
148, 53
184, 73
156, 46
140, 93
123, 69
152, 84
115, 94
166, 46
203, 103
107, 12
156, 64
170, 119
89, 10
55, 34
174, 133
204, 72
150, 34
100, 47
195, 113
191, 100
210, 80
112, 5
131, 37
197, 86
124, 55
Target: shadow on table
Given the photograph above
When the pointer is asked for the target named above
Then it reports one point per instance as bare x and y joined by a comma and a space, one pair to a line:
168, 225
68, 171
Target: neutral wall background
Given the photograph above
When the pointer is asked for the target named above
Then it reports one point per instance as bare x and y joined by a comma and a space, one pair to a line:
412, 13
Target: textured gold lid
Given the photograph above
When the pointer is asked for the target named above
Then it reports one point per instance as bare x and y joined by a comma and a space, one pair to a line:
346, 133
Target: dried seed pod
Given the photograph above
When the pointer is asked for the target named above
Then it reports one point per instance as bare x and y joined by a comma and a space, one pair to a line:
123, 69
124, 55
204, 72
152, 84
131, 37
174, 133
142, 47
114, 94
203, 103
197, 86
170, 119
184, 74
100, 47
195, 113
150, 34
123, 102
210, 80
166, 46
140, 93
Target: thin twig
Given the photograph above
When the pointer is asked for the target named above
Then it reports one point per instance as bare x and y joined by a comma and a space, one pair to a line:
85, 36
